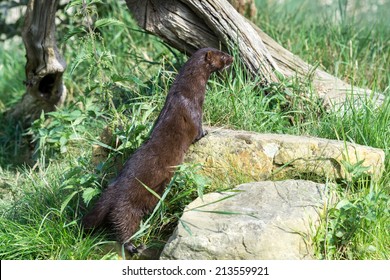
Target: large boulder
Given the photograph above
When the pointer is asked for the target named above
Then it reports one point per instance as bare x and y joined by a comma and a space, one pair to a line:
264, 220
225, 152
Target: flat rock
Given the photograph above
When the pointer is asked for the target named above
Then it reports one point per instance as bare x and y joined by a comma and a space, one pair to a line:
224, 152
263, 220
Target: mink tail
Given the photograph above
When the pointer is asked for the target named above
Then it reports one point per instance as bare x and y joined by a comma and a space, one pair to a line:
99, 213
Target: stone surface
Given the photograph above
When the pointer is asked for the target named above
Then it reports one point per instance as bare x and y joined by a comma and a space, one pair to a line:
225, 152
267, 220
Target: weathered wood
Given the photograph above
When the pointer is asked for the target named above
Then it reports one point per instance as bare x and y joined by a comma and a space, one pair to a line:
192, 24
333, 91
188, 25
45, 90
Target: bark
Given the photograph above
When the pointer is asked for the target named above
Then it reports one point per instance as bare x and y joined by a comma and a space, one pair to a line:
188, 25
332, 90
45, 66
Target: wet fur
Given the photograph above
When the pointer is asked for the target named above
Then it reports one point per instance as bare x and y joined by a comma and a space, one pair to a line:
126, 200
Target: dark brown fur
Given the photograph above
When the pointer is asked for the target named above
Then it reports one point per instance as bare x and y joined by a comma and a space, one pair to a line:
126, 200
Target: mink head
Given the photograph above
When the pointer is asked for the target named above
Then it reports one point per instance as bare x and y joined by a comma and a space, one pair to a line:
216, 60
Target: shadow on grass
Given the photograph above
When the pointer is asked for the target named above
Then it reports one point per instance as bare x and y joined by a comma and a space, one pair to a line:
16, 148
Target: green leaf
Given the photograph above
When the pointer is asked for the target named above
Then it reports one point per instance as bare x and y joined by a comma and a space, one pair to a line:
75, 31
186, 227
344, 204
213, 202
97, 142
66, 201
137, 81
150, 190
78, 60
63, 141
68, 187
201, 182
73, 3
63, 149
107, 21
89, 194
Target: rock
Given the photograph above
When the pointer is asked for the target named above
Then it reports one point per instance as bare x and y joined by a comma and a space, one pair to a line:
268, 221
225, 152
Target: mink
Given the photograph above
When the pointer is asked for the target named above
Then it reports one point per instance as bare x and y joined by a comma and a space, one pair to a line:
126, 200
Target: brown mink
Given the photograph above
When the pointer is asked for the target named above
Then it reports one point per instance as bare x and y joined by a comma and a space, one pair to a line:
126, 200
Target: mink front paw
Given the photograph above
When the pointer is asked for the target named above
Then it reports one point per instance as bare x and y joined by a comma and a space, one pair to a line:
201, 135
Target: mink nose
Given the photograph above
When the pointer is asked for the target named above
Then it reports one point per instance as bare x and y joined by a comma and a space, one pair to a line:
228, 59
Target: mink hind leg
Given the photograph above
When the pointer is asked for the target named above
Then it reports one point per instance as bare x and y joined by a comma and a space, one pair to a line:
128, 213
97, 216
126, 221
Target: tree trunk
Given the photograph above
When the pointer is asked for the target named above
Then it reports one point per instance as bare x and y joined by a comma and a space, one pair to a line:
188, 25
45, 66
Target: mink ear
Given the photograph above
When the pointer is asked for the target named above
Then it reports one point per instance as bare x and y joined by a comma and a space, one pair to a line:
208, 56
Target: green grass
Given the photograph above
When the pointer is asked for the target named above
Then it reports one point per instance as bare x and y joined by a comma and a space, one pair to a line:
118, 76
12, 61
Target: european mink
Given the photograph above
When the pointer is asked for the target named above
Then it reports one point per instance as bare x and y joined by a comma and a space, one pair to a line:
126, 200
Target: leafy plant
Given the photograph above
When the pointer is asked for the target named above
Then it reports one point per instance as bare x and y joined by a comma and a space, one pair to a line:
52, 132
352, 227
